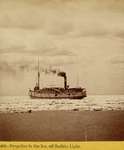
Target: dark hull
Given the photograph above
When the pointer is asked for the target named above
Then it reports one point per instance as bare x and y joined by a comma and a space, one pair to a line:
67, 97
58, 93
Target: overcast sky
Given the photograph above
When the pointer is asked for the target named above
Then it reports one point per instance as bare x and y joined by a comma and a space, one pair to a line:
85, 38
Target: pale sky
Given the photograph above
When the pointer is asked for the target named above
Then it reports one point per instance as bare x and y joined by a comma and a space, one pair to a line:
85, 38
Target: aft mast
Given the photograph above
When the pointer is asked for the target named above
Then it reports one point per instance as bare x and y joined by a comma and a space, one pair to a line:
38, 74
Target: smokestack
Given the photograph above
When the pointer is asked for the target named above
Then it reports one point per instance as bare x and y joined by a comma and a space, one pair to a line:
63, 74
65, 82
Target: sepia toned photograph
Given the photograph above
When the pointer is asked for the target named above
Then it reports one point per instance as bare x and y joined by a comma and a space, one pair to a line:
61, 70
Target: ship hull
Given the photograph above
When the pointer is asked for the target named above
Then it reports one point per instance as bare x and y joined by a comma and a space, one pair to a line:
58, 94
58, 97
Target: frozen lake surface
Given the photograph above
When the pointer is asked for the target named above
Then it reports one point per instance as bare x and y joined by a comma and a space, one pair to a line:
92, 103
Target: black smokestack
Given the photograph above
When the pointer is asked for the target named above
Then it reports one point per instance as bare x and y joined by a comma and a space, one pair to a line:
63, 74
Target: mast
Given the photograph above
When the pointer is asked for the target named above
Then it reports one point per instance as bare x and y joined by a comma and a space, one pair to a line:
38, 74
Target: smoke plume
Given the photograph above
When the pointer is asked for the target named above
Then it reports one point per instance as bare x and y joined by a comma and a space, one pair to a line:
62, 74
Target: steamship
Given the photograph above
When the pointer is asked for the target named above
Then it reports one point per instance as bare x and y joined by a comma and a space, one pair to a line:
57, 92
